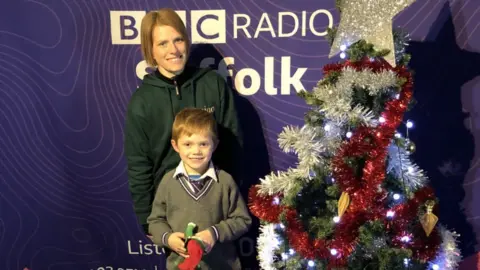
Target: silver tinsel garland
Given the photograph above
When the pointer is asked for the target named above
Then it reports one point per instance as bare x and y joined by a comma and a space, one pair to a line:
401, 166
309, 143
448, 256
305, 143
278, 182
337, 98
267, 244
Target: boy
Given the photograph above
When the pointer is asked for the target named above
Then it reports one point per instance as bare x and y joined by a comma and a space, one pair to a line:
198, 192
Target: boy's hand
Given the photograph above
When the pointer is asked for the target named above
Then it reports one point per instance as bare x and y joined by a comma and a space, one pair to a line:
177, 244
207, 238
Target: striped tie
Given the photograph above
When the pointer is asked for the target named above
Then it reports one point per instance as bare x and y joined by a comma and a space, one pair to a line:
197, 184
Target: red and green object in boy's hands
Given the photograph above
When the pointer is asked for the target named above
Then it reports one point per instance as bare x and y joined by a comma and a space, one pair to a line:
195, 252
195, 249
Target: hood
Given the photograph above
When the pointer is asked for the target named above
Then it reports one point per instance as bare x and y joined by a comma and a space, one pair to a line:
189, 75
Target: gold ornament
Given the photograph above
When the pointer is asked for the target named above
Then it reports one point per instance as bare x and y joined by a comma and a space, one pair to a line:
370, 20
429, 219
343, 203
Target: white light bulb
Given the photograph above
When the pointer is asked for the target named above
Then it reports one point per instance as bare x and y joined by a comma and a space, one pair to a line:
398, 135
397, 96
396, 196
405, 239
282, 226
390, 213
311, 263
336, 219
327, 127
276, 200
343, 47
333, 251
410, 169
409, 124
291, 251
435, 267
381, 120
284, 256
349, 134
343, 55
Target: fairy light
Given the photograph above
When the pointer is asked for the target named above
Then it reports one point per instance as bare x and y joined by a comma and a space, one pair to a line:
405, 239
409, 124
276, 200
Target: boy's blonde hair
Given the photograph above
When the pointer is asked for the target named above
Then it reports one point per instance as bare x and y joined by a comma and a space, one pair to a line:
194, 121
161, 17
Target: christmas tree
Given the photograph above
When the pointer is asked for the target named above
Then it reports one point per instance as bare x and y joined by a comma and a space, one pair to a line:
355, 199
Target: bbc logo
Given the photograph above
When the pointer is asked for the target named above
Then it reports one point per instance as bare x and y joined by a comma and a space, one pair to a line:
206, 26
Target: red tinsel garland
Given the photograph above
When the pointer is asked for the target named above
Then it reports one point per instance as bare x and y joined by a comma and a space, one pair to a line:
424, 248
367, 200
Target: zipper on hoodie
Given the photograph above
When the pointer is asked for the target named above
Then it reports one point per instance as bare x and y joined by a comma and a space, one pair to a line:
176, 87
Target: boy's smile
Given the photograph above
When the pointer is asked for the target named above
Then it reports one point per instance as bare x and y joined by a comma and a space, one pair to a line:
195, 151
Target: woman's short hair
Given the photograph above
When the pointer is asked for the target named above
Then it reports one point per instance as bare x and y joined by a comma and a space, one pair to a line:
161, 17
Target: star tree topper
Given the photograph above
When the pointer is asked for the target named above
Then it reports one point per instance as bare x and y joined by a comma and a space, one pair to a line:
370, 20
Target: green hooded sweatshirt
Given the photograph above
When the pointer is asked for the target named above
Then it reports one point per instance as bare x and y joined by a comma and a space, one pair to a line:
150, 115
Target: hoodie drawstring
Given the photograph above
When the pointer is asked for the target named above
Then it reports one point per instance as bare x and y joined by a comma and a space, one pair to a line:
194, 93
171, 104
176, 86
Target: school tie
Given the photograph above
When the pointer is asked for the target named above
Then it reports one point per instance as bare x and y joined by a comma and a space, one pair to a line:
198, 183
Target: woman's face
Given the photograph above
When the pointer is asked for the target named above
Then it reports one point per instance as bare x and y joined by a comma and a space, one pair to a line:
169, 50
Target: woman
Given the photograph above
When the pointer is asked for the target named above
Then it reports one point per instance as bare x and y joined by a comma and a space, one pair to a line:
153, 106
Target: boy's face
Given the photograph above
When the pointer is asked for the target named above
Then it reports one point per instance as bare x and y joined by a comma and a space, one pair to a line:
195, 151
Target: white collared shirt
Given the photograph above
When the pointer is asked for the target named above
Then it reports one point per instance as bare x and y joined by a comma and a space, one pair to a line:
211, 173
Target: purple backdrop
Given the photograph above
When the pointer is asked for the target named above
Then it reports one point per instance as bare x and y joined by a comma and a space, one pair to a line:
68, 68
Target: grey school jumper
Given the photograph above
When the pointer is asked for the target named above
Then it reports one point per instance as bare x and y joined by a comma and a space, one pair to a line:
220, 208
